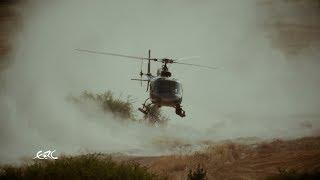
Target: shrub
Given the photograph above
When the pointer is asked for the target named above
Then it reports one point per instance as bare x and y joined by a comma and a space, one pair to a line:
155, 116
198, 174
288, 174
108, 103
90, 166
120, 108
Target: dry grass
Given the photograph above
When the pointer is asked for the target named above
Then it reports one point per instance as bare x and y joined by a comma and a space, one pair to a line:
277, 159
122, 109
231, 160
90, 166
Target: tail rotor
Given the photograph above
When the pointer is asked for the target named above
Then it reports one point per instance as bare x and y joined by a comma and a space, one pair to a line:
149, 67
141, 73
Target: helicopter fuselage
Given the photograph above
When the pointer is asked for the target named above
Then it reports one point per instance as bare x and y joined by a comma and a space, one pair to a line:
165, 91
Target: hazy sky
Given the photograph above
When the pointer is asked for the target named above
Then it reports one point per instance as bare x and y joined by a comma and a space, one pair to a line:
257, 90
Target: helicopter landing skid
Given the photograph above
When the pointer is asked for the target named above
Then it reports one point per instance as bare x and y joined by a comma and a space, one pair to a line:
145, 108
180, 111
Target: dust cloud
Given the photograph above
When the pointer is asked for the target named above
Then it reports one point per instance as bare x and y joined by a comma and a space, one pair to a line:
257, 91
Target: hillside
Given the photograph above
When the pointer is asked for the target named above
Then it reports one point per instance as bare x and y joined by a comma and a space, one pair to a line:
278, 159
232, 160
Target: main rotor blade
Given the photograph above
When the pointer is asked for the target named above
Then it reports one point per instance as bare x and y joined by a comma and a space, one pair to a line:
186, 58
114, 54
139, 79
144, 58
195, 65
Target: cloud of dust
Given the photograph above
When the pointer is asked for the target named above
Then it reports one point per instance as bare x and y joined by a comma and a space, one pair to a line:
256, 92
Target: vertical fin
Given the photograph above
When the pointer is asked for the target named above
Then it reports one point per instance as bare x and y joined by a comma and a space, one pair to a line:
149, 73
149, 56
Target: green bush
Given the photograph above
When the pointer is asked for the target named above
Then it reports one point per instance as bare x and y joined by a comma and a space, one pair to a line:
107, 101
120, 108
198, 174
90, 166
292, 174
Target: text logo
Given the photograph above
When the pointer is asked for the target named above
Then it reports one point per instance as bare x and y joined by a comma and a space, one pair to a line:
45, 155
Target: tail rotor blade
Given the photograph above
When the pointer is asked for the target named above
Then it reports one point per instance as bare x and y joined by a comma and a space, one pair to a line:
149, 57
148, 86
141, 73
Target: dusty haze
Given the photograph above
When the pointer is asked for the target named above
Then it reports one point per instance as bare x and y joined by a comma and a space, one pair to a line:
259, 89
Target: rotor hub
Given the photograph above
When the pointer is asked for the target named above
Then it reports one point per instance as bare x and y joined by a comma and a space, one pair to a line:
165, 71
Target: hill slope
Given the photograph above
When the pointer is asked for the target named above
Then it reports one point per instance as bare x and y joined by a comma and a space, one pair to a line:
231, 160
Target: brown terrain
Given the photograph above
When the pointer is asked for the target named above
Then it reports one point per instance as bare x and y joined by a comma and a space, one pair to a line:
232, 160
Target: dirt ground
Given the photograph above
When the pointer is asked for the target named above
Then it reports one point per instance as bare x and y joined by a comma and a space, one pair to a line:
232, 160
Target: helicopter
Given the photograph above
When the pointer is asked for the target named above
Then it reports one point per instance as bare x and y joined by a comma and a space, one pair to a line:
163, 89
